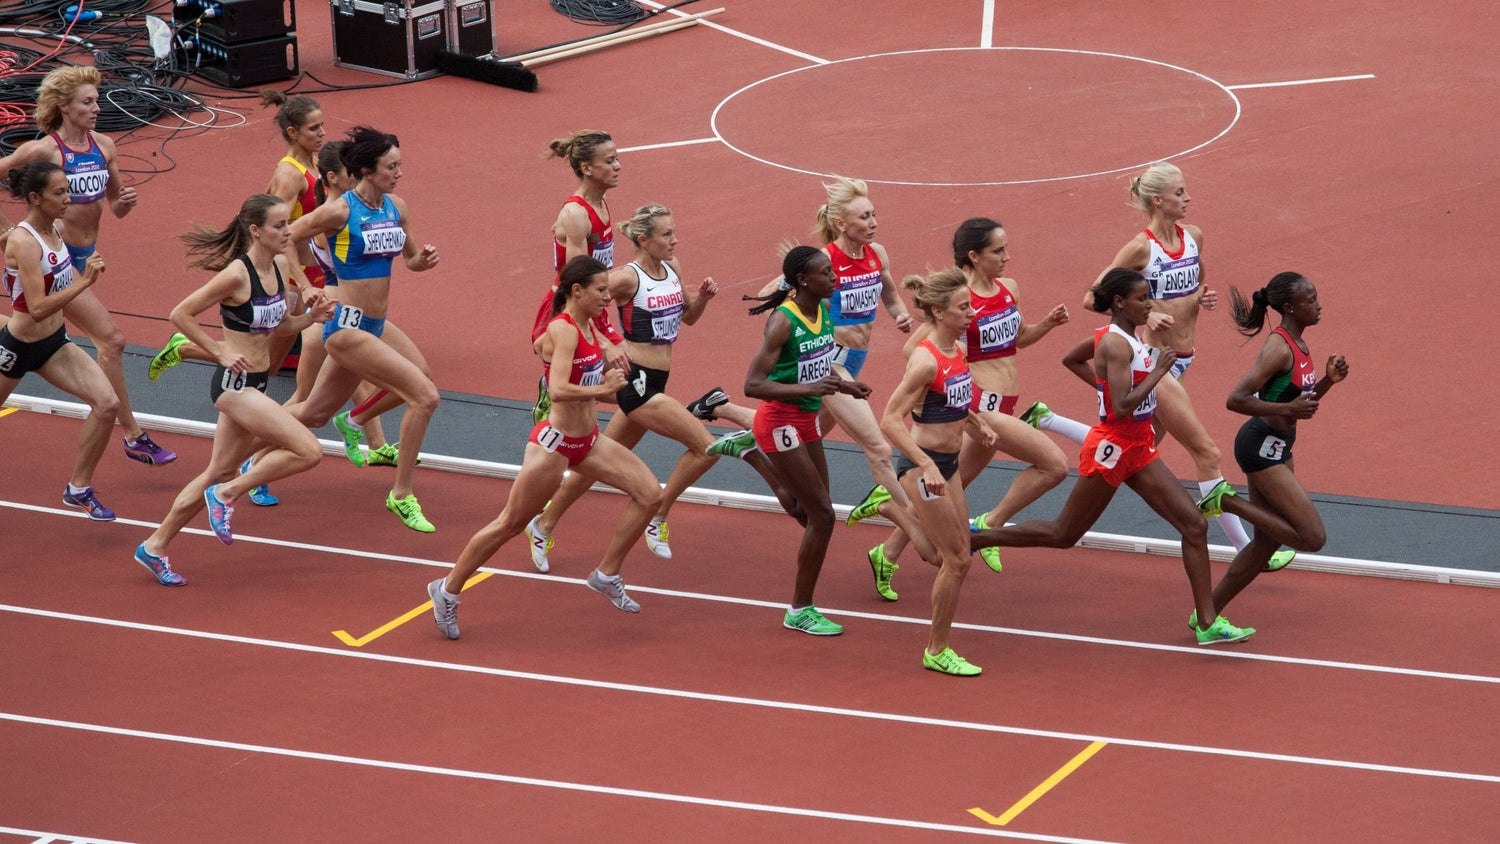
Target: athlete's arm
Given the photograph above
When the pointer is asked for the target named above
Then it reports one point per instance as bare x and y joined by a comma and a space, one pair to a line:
1275, 357
1037, 330
707, 289
24, 254
572, 230
417, 259
1112, 362
1080, 361
894, 304
758, 383
121, 196
230, 285
1132, 256
326, 219
921, 368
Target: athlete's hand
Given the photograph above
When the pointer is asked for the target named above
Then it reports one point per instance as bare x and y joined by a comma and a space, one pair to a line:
858, 389
1158, 321
616, 358
1057, 316
93, 268
614, 379
1338, 369
933, 482
127, 197
708, 289
825, 386
1302, 407
903, 322
1165, 359
427, 258
233, 362
321, 307
1209, 300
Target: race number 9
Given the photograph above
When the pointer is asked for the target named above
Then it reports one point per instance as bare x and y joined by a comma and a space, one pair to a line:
1107, 454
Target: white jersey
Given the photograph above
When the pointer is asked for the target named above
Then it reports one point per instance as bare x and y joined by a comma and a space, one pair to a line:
654, 313
1172, 276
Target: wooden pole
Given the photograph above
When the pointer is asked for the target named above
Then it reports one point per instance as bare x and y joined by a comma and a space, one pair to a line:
598, 42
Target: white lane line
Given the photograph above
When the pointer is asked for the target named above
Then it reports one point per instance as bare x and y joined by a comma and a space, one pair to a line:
1195, 651
666, 797
736, 700
44, 837
737, 34
669, 144
1301, 82
987, 25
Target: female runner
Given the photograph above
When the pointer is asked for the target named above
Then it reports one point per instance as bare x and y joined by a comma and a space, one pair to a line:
652, 303
936, 390
583, 227
567, 439
1122, 448
40, 282
1167, 252
1280, 389
791, 374
249, 286
368, 226
67, 107
981, 251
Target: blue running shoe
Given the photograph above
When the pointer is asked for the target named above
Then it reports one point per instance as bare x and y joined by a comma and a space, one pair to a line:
219, 515
89, 502
260, 496
159, 567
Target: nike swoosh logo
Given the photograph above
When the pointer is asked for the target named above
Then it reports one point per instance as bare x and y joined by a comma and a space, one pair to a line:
845, 269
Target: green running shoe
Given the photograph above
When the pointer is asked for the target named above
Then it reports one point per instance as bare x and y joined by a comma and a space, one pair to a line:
1036, 415
169, 356
1221, 632
1280, 560
1213, 504
543, 404
736, 444
883, 569
870, 506
991, 556
949, 662
353, 436
810, 621
409, 512
386, 455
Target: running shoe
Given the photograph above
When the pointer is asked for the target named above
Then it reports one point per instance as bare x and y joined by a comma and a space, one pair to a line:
409, 512
810, 621
260, 496
444, 609
353, 436
949, 662
704, 407
612, 588
169, 356
870, 506
991, 556
883, 569
656, 538
143, 450
541, 543
219, 515
1036, 415
386, 455
543, 404
88, 502
1280, 560
736, 444
159, 567
1221, 632
1213, 504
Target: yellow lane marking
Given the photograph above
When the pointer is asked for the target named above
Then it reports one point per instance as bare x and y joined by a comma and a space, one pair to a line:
8, 411
1036, 793
346, 638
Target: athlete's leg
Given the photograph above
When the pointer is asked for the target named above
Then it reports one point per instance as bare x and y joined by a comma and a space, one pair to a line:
73, 371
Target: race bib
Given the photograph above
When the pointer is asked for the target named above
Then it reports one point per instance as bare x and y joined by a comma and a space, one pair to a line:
1273, 448
604, 252
7, 359
859, 297
232, 382
989, 402
922, 491
1107, 454
549, 438
815, 365
593, 375
786, 438
959, 390
348, 316
664, 327
997, 331
383, 238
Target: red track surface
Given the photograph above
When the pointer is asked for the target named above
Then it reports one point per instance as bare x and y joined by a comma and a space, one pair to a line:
1373, 188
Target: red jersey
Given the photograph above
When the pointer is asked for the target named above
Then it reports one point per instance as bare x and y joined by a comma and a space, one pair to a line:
1137, 427
950, 391
588, 358
1301, 378
859, 286
308, 199
996, 325
601, 238
57, 270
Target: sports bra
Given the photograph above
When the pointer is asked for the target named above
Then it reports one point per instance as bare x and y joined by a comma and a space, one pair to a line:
263, 311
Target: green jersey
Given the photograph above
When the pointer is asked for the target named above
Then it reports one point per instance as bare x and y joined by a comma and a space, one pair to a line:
807, 356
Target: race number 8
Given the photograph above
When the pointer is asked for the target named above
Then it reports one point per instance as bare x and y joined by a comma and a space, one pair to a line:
989, 402
1107, 454
786, 437
549, 438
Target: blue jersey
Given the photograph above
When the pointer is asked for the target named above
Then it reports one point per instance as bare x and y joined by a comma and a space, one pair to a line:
87, 171
369, 241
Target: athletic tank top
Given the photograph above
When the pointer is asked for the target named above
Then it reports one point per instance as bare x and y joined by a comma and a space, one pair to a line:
1138, 425
807, 356
57, 270
308, 200
588, 358
1170, 275
263, 311
87, 171
858, 291
996, 324
653, 314
369, 241
601, 238
948, 394
1301, 378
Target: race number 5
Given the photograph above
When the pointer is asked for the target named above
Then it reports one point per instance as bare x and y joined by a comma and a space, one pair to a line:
549, 438
1107, 454
1272, 448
